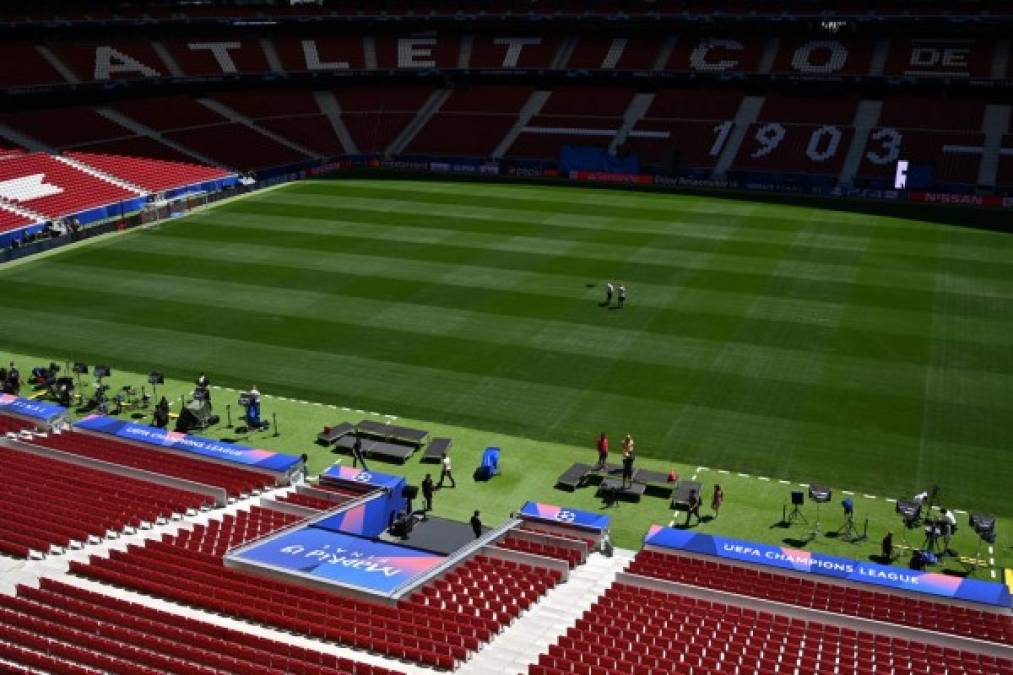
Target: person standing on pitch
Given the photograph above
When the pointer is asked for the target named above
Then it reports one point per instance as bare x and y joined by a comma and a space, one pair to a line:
609, 290
357, 454
628, 460
693, 507
476, 525
603, 450
622, 295
717, 500
446, 472
428, 487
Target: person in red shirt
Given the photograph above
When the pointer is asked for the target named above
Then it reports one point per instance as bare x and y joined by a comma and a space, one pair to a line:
603, 450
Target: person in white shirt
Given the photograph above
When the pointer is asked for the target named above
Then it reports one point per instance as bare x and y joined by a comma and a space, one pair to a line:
920, 498
949, 527
446, 473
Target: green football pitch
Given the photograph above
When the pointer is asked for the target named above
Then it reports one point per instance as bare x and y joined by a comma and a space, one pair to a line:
783, 341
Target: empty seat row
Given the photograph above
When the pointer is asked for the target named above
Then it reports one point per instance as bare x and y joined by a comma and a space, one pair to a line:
841, 599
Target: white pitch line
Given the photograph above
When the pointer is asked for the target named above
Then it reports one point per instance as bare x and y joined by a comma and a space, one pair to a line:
722, 471
784, 482
991, 551
346, 409
848, 492
803, 484
892, 501
991, 561
701, 468
964, 513
743, 475
869, 496
332, 406
361, 412
318, 403
993, 573
762, 478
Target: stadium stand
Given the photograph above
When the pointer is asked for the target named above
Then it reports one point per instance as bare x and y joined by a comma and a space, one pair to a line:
65, 127
310, 501
842, 599
571, 556
9, 220
47, 185
438, 626
111, 632
633, 629
13, 425
235, 481
51, 503
150, 174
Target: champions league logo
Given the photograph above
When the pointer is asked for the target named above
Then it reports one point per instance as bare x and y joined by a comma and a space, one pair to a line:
363, 477
565, 516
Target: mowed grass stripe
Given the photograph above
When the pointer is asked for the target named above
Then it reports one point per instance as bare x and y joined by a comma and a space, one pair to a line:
711, 318
756, 217
549, 262
597, 195
603, 342
771, 220
796, 263
834, 248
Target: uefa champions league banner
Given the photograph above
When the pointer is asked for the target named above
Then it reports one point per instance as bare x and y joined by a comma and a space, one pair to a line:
26, 407
376, 479
562, 515
325, 555
368, 519
197, 445
930, 583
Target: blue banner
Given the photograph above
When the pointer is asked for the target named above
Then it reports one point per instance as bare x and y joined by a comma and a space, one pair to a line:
584, 158
376, 479
26, 407
331, 556
562, 515
197, 445
368, 519
929, 583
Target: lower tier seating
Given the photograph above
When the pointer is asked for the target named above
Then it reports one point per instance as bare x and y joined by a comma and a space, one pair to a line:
45, 503
89, 628
438, 626
235, 481
891, 608
638, 630
150, 174
571, 556
12, 425
53, 188
310, 502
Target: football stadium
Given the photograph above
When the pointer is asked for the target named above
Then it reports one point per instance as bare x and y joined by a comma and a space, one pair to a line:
506, 337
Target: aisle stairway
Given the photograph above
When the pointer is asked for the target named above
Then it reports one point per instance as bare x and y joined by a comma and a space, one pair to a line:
519, 645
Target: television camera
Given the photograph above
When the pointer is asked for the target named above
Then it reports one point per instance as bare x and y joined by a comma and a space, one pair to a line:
62, 391
10, 379
250, 402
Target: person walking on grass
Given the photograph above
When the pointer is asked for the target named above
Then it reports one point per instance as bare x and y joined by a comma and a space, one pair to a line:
609, 290
693, 507
622, 295
717, 500
446, 472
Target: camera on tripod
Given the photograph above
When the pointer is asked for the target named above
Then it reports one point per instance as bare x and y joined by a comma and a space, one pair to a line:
984, 525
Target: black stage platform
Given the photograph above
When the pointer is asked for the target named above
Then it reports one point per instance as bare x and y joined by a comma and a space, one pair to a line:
612, 488
644, 480
680, 500
436, 535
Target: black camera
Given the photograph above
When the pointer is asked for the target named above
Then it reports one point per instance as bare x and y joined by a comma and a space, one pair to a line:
102, 371
155, 377
984, 525
80, 368
820, 494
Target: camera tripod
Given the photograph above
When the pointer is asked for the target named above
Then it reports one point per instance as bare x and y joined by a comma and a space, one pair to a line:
849, 533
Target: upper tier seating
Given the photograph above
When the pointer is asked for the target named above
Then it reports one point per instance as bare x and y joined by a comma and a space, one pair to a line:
169, 112
607, 52
324, 52
237, 146
53, 188
104, 61
21, 65
493, 51
100, 628
891, 608
439, 626
198, 56
423, 51
234, 480
150, 174
65, 127
46, 502
638, 630
472, 122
